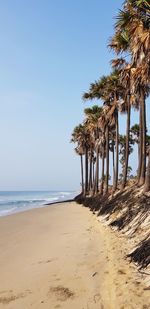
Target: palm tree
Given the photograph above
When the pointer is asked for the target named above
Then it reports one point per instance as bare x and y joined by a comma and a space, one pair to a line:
86, 137
97, 90
122, 152
80, 152
133, 22
81, 136
135, 132
112, 149
126, 78
92, 116
128, 85
77, 137
107, 88
115, 90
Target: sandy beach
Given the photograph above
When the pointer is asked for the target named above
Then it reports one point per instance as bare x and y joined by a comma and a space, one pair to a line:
60, 256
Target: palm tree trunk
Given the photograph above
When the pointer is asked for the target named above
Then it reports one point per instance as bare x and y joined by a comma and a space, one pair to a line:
143, 132
93, 169
107, 158
113, 160
96, 173
82, 178
125, 171
117, 153
86, 171
90, 176
97, 170
140, 145
103, 167
147, 180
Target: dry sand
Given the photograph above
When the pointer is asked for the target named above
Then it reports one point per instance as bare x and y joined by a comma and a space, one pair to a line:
61, 257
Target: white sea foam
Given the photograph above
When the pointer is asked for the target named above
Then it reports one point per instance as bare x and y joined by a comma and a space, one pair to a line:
5, 212
12, 202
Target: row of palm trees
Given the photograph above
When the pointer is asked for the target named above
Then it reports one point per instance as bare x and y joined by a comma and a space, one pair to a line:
127, 87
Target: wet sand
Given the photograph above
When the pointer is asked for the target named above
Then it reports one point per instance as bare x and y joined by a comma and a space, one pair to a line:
60, 256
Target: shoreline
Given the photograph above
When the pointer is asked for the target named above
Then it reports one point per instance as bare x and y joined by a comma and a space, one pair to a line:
36, 207
60, 202
62, 257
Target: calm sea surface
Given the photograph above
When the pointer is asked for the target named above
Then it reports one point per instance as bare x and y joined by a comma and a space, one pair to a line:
16, 201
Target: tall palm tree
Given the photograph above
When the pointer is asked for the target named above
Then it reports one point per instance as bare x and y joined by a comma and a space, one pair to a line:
97, 90
115, 90
92, 116
127, 85
77, 137
81, 136
80, 152
87, 145
107, 89
133, 22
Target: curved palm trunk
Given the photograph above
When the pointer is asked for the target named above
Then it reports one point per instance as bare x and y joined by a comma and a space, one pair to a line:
127, 145
117, 153
82, 178
143, 132
107, 159
147, 180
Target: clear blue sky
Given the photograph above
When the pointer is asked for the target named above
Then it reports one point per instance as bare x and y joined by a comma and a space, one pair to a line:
50, 51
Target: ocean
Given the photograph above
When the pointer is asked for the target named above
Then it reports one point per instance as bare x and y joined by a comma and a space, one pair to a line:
17, 201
